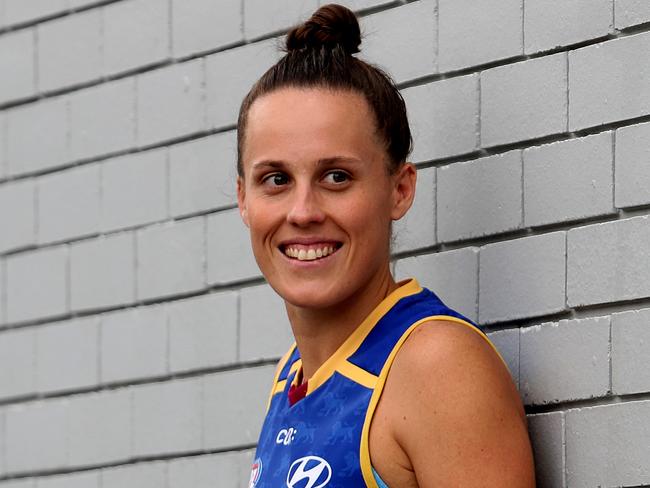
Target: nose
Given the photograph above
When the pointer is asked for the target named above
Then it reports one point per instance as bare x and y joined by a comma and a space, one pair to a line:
304, 208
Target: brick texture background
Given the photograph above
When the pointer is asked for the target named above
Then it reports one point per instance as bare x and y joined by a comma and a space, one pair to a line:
137, 336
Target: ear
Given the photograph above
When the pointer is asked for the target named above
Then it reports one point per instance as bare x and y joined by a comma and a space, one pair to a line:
241, 200
404, 181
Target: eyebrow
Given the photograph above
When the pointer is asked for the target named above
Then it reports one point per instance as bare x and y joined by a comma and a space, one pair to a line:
274, 164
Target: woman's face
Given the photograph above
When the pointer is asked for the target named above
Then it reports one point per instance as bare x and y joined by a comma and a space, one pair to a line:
317, 195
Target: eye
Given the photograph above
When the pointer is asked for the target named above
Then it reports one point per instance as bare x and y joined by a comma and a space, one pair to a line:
336, 177
276, 179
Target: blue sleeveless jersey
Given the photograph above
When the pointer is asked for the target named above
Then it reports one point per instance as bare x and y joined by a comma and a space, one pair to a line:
322, 440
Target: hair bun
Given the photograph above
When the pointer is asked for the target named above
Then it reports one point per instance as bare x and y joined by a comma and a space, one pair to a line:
329, 26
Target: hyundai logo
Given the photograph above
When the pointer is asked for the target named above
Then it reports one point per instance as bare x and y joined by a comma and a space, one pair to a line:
315, 471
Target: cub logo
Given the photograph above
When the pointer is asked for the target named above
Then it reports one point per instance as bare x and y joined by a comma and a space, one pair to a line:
256, 472
314, 469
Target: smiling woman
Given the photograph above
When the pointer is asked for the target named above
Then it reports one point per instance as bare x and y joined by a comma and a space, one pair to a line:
385, 386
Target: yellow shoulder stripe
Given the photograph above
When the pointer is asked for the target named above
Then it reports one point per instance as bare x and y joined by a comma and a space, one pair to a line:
357, 374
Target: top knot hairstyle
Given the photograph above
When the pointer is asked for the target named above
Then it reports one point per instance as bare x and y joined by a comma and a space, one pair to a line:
319, 54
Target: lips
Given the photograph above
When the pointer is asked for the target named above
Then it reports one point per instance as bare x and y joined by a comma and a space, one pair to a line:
309, 251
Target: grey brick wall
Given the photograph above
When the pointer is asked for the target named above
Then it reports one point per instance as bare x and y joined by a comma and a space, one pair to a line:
137, 336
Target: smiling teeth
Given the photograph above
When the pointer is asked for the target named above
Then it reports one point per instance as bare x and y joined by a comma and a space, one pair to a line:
308, 254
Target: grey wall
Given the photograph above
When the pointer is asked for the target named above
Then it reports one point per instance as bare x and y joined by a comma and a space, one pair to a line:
137, 337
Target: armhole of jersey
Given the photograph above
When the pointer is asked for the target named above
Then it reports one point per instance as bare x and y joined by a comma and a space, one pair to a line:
366, 464
281, 364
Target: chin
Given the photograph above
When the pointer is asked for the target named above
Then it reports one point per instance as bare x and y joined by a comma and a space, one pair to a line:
312, 296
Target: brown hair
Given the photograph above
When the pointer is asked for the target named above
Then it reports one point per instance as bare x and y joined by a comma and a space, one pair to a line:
319, 54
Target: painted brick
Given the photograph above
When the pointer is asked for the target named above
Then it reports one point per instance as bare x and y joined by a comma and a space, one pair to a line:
3, 306
37, 285
507, 343
245, 462
88, 479
99, 427
102, 272
506, 290
362, 4
264, 328
452, 275
473, 33
203, 332
262, 17
136, 33
418, 227
443, 117
524, 100
17, 214
67, 355
205, 471
171, 102
142, 475
386, 40
2, 421
203, 174
69, 50
552, 23
568, 180
102, 119
230, 257
567, 360
134, 344
69, 203
45, 122
17, 65
230, 75
608, 445
239, 420
134, 190
481, 197
598, 96
631, 352
171, 258
3, 145
19, 11
632, 168
167, 417
547, 437
193, 24
608, 262
631, 12
36, 436
17, 362
19, 483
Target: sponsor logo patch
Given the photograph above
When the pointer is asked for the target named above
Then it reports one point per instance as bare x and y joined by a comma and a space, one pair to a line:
315, 470
256, 472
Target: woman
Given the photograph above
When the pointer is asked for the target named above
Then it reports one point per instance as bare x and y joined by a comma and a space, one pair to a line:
385, 386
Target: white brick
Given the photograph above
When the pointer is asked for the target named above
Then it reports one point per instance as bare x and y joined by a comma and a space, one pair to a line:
3, 302
142, 475
194, 21
17, 65
507, 343
17, 362
567, 360
506, 289
68, 203
452, 275
632, 168
386, 40
246, 462
171, 258
17, 214
230, 75
203, 174
524, 100
205, 471
230, 257
136, 33
476, 32
568, 180
167, 417
102, 119
443, 117
552, 23
134, 190
36, 436
608, 262
134, 344
37, 284
239, 420
547, 437
598, 96
363, 4
102, 272
631, 352
67, 355
19, 483
631, 12
202, 332
20, 11
36, 136
265, 331
88, 479
608, 445
481, 197
69, 50
170, 102
99, 427
3, 145
262, 17
417, 228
